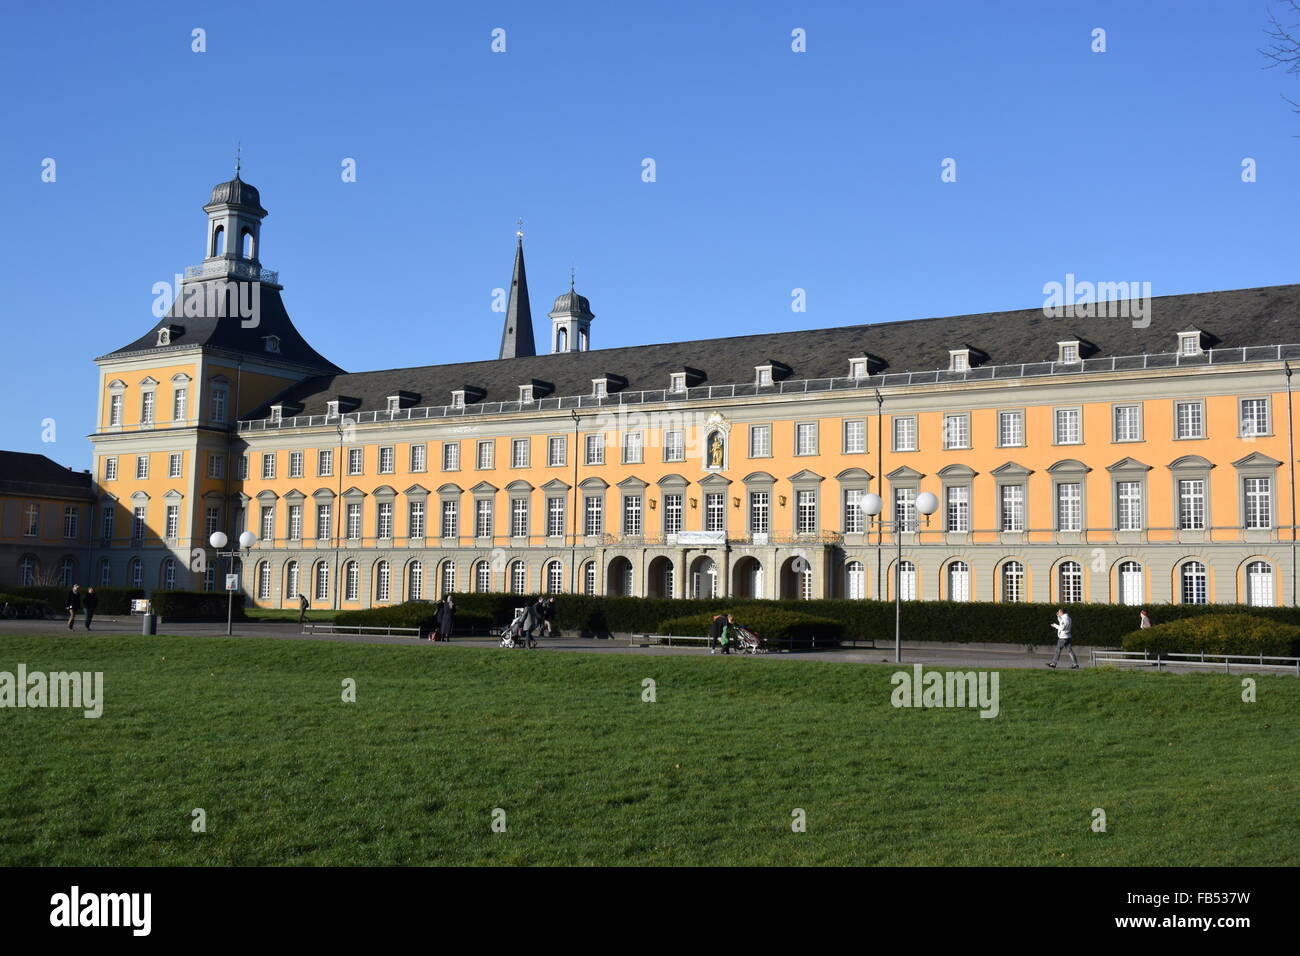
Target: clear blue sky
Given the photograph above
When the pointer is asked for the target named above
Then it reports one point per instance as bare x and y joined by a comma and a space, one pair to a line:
775, 170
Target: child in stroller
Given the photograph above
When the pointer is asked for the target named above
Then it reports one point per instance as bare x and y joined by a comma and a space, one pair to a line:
748, 640
519, 632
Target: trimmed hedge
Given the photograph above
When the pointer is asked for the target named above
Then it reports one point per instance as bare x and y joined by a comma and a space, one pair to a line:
111, 600
25, 606
778, 627
1218, 634
415, 614
195, 605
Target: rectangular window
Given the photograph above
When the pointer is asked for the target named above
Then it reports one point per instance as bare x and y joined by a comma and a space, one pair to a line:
241, 467
518, 517
958, 509
353, 529
1011, 429
632, 448
905, 509
1191, 504
325, 462
760, 441
450, 518
674, 446
174, 465
137, 524
632, 515
356, 460
1069, 506
805, 512
555, 517
295, 522
519, 452
268, 523
268, 465
110, 469
855, 436
384, 520
805, 438
672, 513
31, 521
295, 464
387, 459
211, 520
483, 518
593, 515
1254, 417
595, 449
141, 466
759, 512
146, 408
557, 451
956, 431
855, 522
415, 519
216, 465
1259, 502
485, 455
1128, 423
70, 521
1189, 420
1128, 501
904, 434
109, 519
324, 521
178, 404
715, 511
1013, 507
419, 457
115, 409
1069, 427
218, 405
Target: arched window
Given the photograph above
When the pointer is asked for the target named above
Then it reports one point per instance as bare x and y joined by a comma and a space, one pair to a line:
383, 581
246, 242
291, 581
482, 577
352, 581
1070, 588
555, 577
169, 575
135, 573
958, 581
415, 581
1259, 584
448, 577
582, 340
518, 577
1131, 590
1013, 581
907, 581
855, 579
219, 241
322, 581
263, 581
68, 572
1194, 583
589, 578
562, 340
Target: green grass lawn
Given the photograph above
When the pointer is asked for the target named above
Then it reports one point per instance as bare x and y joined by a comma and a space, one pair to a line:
254, 731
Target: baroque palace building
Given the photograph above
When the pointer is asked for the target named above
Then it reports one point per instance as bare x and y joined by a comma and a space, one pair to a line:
1098, 459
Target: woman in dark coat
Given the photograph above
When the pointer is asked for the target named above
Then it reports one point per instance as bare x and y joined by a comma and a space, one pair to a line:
447, 618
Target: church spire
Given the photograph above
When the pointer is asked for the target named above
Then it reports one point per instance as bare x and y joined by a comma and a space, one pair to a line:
517, 336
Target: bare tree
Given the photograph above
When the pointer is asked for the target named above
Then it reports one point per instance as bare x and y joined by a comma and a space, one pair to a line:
1284, 42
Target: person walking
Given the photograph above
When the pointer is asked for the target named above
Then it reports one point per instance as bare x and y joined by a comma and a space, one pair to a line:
303, 604
728, 635
1143, 620
90, 602
548, 618
435, 632
447, 618
715, 632
74, 605
1064, 639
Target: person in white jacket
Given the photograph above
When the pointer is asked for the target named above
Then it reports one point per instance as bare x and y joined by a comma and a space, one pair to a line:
1064, 639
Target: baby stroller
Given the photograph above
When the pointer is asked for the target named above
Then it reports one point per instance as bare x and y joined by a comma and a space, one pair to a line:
517, 633
748, 641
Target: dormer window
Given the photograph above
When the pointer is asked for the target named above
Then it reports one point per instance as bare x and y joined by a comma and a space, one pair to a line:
763, 375
458, 398
272, 343
858, 368
959, 360
1067, 353
677, 382
600, 388
164, 336
526, 394
1189, 343
394, 403
332, 409
277, 414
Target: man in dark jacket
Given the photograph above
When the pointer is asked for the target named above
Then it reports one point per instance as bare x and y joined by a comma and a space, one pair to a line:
74, 605
715, 630
548, 617
303, 604
90, 602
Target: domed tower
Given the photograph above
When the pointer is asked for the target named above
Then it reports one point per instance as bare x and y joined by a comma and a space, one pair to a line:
571, 322
235, 217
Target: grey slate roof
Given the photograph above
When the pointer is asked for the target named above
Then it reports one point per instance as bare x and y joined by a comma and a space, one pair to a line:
1262, 316
228, 333
22, 473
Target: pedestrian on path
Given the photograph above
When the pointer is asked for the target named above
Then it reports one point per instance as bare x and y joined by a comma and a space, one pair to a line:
303, 604
74, 605
715, 631
90, 602
728, 634
1064, 639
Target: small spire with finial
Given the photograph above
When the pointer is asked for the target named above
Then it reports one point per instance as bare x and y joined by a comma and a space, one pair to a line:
572, 272
238, 147
519, 233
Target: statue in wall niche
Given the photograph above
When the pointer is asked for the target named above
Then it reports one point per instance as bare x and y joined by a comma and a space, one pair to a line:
715, 450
